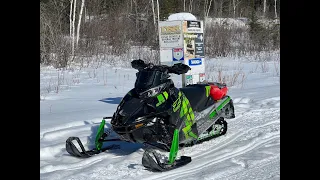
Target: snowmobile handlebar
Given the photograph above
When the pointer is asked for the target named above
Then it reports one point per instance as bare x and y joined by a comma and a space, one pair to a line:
178, 68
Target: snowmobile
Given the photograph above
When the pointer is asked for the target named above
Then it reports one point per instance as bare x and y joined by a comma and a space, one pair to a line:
164, 117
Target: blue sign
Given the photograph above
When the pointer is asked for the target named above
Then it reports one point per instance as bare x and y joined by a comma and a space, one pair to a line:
195, 61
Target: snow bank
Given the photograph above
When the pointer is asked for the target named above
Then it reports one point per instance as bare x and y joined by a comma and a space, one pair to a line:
228, 22
181, 16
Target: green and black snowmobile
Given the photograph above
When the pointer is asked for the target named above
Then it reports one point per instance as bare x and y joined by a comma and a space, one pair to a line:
164, 117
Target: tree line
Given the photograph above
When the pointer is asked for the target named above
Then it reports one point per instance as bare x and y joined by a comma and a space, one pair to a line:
71, 29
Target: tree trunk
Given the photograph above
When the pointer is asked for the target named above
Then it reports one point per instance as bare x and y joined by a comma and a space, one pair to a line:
158, 12
70, 18
215, 10
190, 6
264, 8
73, 21
234, 8
79, 23
153, 14
209, 8
221, 8
136, 13
275, 9
204, 9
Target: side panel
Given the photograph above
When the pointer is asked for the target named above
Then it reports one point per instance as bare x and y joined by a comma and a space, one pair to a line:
182, 116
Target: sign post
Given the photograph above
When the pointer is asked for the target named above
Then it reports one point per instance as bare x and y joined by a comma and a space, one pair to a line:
181, 41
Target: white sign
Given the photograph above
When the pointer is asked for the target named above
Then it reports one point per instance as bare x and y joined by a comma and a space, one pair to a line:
181, 41
170, 34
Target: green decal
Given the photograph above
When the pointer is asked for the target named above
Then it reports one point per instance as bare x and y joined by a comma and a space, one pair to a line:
191, 113
213, 113
174, 146
99, 134
181, 113
208, 90
176, 104
165, 94
187, 132
160, 99
187, 113
223, 104
193, 135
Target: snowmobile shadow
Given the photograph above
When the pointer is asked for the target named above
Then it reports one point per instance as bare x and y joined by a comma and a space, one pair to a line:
115, 100
121, 148
132, 166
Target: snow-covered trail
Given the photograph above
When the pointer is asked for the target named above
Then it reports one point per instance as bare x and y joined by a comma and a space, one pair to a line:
250, 147
249, 150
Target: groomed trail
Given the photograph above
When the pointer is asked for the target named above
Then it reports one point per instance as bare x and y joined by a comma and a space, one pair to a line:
249, 150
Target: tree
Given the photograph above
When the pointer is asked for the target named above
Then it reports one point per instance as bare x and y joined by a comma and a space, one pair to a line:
79, 22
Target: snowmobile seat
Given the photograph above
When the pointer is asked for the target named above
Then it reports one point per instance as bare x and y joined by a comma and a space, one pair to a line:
197, 96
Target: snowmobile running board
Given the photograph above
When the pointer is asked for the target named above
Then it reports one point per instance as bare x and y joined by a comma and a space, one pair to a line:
108, 117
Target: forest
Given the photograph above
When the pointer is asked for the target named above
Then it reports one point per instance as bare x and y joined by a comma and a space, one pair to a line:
79, 30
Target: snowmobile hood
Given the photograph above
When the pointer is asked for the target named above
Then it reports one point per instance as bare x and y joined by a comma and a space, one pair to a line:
130, 109
127, 112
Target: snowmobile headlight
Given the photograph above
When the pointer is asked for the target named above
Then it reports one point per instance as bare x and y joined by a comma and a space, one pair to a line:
153, 91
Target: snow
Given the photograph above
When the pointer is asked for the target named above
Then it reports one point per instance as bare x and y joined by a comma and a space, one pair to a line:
249, 150
227, 22
181, 16
238, 22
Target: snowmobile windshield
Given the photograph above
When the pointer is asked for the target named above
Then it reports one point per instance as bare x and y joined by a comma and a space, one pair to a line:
147, 79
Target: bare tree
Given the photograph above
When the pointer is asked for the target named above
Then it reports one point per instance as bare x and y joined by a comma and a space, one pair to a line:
153, 14
221, 7
190, 5
70, 18
115, 26
73, 27
136, 12
158, 10
275, 9
235, 5
207, 14
264, 7
234, 8
79, 22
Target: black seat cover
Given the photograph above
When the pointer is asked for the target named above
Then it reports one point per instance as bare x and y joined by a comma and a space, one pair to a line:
196, 94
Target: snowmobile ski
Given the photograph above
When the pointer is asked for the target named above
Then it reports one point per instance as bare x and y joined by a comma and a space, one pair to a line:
156, 162
73, 150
